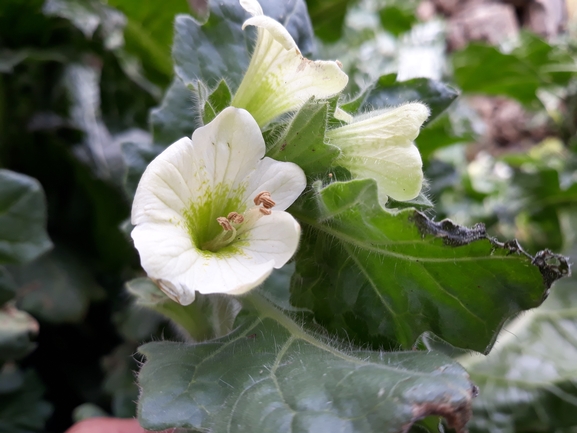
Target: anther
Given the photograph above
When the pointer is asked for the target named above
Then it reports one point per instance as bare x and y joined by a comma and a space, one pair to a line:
264, 199
224, 223
235, 217
264, 211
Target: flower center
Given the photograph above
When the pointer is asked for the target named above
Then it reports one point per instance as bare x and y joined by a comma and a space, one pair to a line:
235, 224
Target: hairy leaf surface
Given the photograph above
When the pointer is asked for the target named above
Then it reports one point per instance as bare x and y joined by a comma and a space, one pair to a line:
385, 278
269, 375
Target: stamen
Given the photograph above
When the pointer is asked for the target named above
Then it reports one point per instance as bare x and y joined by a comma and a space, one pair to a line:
264, 211
224, 223
235, 217
265, 199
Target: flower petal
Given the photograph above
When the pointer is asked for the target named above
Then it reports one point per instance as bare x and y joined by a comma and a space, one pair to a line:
276, 30
163, 190
166, 253
397, 170
168, 256
195, 181
279, 79
273, 236
381, 147
224, 152
253, 7
284, 180
229, 147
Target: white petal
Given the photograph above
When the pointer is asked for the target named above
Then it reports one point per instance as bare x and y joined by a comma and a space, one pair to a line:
274, 236
284, 180
224, 152
164, 190
382, 148
400, 125
233, 275
275, 29
168, 256
279, 79
229, 147
252, 7
187, 176
166, 253
397, 170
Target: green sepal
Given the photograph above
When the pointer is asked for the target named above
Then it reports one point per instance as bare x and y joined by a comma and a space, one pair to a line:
302, 141
209, 316
212, 101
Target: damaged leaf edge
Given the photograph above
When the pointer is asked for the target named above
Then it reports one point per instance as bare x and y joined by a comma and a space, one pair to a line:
551, 265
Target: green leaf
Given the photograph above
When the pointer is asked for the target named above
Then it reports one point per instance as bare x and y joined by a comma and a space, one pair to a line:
528, 382
23, 410
397, 18
385, 278
440, 133
7, 286
22, 218
220, 48
216, 101
270, 375
16, 331
136, 156
387, 92
89, 15
484, 69
302, 141
82, 82
328, 17
554, 64
119, 382
149, 31
176, 117
49, 280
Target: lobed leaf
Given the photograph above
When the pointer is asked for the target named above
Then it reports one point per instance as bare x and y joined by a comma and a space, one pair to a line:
269, 375
385, 278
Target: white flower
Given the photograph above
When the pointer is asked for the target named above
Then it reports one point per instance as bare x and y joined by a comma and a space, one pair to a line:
279, 79
381, 147
209, 211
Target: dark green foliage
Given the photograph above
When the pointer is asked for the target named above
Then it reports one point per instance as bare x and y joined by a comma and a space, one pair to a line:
387, 278
269, 365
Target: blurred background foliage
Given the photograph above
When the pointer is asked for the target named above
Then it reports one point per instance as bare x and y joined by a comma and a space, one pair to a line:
79, 78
